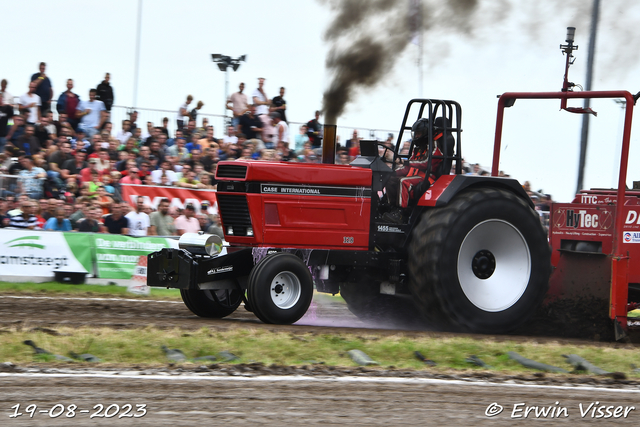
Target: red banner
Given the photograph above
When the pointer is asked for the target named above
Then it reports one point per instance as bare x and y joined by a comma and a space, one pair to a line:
178, 197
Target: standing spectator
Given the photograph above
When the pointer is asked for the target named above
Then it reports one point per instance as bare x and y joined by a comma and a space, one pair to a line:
68, 103
43, 88
250, 124
124, 134
24, 218
268, 131
187, 222
92, 114
105, 92
58, 222
4, 93
281, 128
162, 224
182, 112
6, 113
260, 99
279, 105
314, 131
31, 178
32, 102
115, 222
193, 114
138, 220
354, 141
238, 103
302, 138
165, 126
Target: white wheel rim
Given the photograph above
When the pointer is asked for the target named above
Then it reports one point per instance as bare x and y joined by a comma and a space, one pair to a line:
285, 290
509, 279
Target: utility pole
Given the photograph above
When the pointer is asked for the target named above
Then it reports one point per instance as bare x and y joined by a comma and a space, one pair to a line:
137, 67
584, 137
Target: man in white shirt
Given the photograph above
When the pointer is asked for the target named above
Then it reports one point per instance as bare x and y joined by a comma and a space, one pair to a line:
31, 101
138, 220
165, 169
182, 112
260, 98
93, 114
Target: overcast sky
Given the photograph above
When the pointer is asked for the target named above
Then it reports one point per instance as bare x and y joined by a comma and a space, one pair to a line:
507, 45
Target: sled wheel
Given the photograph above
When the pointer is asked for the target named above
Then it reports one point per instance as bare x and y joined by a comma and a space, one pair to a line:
280, 289
211, 303
482, 262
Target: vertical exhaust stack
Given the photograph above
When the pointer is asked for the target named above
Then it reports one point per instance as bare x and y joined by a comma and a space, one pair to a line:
329, 143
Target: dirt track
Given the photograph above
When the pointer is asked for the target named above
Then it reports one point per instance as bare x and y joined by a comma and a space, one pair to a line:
240, 396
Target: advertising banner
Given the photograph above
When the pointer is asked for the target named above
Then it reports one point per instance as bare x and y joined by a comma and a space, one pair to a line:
39, 254
117, 256
179, 197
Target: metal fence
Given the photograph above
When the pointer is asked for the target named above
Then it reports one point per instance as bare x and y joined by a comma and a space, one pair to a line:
8, 185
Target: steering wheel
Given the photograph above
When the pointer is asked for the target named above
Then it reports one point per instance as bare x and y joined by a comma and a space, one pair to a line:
384, 154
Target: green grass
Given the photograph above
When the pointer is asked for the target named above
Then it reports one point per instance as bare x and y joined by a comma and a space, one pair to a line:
142, 347
56, 288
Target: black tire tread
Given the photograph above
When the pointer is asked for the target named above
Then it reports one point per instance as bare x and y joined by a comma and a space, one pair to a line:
200, 304
426, 248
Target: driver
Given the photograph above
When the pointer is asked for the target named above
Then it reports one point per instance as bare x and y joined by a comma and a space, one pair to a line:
413, 171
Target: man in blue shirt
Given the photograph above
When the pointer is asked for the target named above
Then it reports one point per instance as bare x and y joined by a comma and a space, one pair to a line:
92, 115
58, 222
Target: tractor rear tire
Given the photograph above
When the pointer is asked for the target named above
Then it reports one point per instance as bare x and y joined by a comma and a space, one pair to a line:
211, 303
280, 289
481, 263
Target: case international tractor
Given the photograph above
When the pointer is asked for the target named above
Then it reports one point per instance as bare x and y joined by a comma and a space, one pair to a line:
470, 253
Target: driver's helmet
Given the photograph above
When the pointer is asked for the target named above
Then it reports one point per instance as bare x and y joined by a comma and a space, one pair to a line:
420, 132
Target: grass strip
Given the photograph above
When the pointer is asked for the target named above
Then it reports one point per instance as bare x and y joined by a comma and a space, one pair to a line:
142, 347
60, 289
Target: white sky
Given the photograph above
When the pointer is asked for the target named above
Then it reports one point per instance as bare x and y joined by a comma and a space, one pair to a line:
283, 42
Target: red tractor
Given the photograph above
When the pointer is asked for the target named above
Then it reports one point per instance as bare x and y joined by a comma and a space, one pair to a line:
468, 253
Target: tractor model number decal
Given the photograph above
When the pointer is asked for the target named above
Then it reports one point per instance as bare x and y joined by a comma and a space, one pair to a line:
631, 237
388, 229
347, 240
219, 270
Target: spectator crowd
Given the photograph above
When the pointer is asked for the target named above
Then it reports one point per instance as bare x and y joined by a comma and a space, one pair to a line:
70, 159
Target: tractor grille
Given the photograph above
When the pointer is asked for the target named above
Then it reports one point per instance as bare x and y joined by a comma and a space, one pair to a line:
234, 212
231, 171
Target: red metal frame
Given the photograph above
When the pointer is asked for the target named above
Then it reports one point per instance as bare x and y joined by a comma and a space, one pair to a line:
619, 257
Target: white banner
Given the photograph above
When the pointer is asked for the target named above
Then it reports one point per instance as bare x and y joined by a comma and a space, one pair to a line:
36, 254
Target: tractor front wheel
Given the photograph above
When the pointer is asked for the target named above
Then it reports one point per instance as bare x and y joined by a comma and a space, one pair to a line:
481, 263
280, 289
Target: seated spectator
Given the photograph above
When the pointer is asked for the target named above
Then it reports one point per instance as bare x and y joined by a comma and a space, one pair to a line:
92, 224
165, 170
190, 181
162, 224
138, 220
82, 211
103, 199
116, 223
207, 182
31, 178
179, 150
132, 174
187, 222
194, 144
24, 218
216, 227
4, 218
58, 222
124, 134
